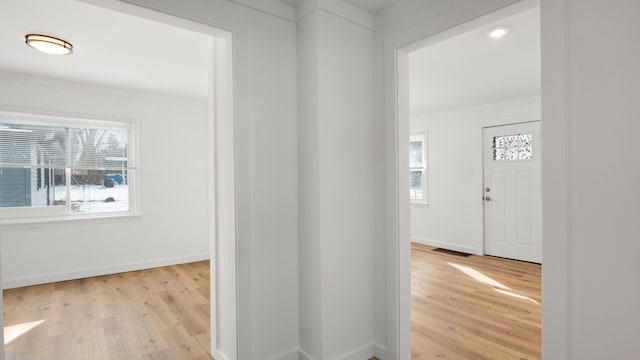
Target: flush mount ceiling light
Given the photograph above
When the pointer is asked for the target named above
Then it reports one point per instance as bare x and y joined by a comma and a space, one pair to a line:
49, 44
498, 32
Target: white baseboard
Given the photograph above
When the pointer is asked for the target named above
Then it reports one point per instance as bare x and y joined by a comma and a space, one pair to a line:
99, 271
446, 245
303, 355
291, 354
363, 353
219, 356
381, 352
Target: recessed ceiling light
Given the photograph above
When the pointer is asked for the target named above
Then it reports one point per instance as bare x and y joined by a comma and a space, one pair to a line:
49, 44
498, 32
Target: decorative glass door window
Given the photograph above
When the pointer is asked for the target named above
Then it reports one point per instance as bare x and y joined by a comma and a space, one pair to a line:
417, 166
512, 147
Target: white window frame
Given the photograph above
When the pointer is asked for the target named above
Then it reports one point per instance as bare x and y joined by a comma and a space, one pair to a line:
18, 215
421, 137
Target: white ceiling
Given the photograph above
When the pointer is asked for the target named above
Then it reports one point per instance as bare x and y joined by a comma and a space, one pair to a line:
472, 68
372, 6
110, 48
123, 51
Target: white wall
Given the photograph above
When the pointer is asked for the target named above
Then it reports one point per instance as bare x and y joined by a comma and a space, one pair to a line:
453, 218
336, 188
591, 193
173, 227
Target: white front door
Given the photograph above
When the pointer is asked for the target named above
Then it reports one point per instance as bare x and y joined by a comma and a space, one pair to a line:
512, 192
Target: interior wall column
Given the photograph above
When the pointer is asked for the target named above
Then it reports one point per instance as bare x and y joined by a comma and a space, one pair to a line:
335, 137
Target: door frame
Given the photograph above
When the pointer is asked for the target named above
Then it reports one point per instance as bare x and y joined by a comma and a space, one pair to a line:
438, 22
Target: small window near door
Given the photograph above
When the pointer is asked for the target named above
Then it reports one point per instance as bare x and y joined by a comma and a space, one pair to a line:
512, 147
417, 172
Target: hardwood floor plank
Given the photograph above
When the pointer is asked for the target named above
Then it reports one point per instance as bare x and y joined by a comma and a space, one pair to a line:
152, 314
473, 307
184, 317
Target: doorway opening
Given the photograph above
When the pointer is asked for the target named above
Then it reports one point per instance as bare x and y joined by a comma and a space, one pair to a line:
217, 129
463, 84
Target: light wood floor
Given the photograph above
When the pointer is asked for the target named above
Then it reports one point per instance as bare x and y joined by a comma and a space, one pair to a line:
475, 307
153, 314
470, 308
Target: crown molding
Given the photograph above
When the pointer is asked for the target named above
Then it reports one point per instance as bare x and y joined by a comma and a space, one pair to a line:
271, 7
339, 8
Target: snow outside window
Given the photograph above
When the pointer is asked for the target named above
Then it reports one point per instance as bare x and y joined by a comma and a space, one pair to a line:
53, 168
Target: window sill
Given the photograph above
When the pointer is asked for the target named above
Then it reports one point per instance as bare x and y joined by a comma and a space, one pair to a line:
52, 220
419, 204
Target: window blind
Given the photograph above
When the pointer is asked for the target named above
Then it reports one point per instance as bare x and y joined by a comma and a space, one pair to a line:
29, 146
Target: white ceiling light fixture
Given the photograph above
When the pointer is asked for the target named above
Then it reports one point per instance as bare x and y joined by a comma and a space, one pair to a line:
498, 32
49, 44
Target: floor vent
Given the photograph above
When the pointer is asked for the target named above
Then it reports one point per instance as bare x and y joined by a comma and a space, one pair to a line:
451, 252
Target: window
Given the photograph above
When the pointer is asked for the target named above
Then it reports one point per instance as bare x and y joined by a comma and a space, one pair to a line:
417, 172
512, 147
62, 168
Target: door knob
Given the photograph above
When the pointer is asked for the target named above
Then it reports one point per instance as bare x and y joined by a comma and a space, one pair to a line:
487, 198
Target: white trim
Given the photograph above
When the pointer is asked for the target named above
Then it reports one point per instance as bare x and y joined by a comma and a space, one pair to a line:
380, 351
224, 243
303, 355
41, 218
391, 14
99, 271
402, 212
213, 249
291, 354
216, 354
338, 8
363, 352
271, 7
53, 83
